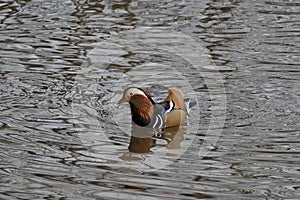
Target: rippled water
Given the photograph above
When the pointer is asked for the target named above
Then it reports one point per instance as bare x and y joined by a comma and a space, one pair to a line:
64, 65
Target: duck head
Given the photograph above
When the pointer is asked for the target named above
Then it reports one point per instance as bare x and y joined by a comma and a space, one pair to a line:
141, 105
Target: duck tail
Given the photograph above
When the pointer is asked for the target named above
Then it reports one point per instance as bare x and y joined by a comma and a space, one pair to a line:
187, 106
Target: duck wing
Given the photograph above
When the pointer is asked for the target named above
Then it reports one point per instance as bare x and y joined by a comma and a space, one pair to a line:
176, 96
178, 114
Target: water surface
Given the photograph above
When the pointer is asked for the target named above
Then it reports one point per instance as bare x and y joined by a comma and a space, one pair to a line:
47, 50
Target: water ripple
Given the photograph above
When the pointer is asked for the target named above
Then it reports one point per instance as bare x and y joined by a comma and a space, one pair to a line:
45, 46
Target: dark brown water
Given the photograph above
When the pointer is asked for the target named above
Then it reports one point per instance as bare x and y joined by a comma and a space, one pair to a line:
64, 64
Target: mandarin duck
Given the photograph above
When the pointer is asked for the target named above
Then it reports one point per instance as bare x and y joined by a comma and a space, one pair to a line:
171, 112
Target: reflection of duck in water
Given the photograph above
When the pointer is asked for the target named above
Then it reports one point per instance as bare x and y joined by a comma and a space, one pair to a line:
142, 139
149, 117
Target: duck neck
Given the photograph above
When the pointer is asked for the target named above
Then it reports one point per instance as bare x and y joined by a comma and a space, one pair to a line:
141, 110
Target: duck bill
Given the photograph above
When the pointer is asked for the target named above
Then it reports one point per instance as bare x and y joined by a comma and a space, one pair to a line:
123, 100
